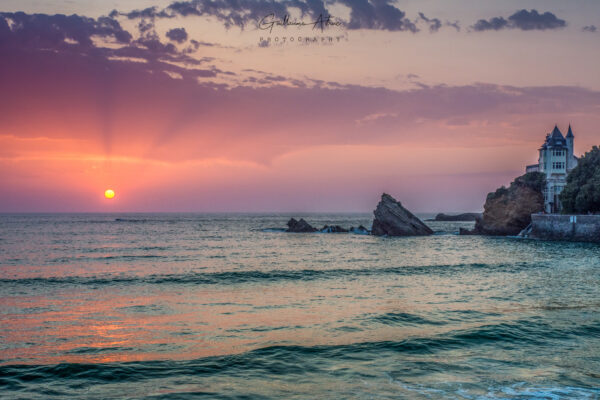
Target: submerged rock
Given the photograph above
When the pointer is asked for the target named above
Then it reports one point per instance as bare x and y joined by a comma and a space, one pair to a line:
333, 229
507, 211
302, 226
361, 230
394, 220
464, 231
458, 217
299, 226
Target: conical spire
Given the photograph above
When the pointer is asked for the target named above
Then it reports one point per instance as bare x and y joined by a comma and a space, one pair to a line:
570, 133
556, 133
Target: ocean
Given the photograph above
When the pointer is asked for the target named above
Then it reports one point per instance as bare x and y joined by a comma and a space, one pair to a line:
226, 306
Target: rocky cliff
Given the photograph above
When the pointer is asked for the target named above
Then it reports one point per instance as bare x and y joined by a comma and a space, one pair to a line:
394, 220
507, 211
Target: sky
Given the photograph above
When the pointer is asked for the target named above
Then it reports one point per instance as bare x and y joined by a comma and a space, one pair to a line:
195, 105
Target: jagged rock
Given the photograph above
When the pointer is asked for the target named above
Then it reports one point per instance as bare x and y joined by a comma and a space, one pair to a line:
333, 229
361, 230
507, 211
299, 226
458, 217
394, 220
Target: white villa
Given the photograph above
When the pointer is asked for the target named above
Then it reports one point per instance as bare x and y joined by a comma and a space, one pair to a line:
556, 161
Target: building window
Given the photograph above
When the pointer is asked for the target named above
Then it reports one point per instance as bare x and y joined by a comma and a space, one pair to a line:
558, 165
558, 152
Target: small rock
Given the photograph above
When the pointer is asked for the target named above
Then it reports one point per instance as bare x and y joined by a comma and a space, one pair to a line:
299, 226
361, 230
333, 229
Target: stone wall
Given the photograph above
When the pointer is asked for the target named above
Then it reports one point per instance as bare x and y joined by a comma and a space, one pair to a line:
580, 228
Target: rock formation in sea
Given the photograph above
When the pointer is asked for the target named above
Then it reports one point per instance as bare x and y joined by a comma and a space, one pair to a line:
361, 230
507, 211
333, 229
458, 217
392, 219
302, 226
299, 226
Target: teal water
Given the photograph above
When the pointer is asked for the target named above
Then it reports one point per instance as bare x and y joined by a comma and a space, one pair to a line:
221, 306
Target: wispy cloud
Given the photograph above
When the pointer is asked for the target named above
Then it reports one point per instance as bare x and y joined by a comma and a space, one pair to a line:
589, 28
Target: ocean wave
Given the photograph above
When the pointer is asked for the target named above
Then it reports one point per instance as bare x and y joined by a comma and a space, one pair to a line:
394, 318
253, 276
294, 361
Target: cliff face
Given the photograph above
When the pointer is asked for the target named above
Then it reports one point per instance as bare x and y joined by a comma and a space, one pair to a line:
394, 220
507, 211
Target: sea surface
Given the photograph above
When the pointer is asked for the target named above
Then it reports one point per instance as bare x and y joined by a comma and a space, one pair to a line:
175, 306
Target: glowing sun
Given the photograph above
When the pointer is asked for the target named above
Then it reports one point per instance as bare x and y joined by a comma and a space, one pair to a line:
109, 194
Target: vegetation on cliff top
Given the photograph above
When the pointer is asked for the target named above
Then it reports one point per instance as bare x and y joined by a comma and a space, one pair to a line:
582, 192
532, 180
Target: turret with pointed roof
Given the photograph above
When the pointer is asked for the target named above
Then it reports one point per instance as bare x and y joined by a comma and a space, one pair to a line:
570, 133
555, 139
571, 160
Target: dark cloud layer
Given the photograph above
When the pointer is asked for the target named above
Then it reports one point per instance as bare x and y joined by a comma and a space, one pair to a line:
523, 20
364, 14
77, 34
57, 31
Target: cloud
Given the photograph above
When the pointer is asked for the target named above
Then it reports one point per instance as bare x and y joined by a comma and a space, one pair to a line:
87, 97
364, 14
61, 31
589, 28
495, 24
532, 20
103, 37
434, 23
103, 94
523, 20
377, 14
455, 25
178, 35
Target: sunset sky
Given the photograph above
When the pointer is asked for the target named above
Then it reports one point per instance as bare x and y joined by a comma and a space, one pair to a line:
180, 106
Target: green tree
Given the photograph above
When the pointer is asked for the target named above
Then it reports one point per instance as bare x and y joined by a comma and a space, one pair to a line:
582, 192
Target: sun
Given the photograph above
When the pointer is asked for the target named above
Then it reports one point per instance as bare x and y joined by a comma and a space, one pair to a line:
109, 193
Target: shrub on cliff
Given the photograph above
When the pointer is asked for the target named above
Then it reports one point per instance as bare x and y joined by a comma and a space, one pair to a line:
582, 192
532, 180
